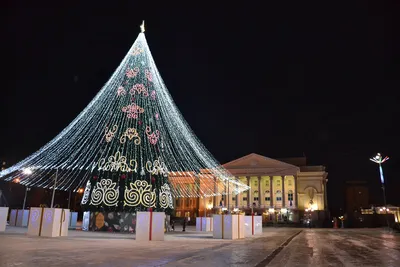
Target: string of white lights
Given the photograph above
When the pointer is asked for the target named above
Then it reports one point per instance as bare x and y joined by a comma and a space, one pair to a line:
131, 130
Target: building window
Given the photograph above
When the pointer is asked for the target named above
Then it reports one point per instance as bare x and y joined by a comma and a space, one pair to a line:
233, 198
267, 195
256, 199
278, 195
290, 195
266, 183
245, 199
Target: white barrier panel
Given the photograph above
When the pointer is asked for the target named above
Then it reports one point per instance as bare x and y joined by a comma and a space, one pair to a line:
86, 220
150, 226
35, 219
65, 216
3, 218
22, 218
73, 218
48, 222
204, 224
228, 226
13, 217
257, 225
218, 226
252, 225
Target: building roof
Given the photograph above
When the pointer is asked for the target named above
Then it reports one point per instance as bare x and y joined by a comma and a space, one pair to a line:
258, 164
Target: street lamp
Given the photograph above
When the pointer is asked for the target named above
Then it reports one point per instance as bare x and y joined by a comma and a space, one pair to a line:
54, 188
379, 160
26, 171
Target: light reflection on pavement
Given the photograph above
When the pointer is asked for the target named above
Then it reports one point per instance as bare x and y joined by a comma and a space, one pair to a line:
312, 247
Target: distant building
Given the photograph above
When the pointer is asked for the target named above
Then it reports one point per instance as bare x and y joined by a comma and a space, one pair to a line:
357, 196
360, 213
388, 210
280, 190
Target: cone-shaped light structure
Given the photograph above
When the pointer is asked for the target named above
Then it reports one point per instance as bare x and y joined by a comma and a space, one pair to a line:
131, 130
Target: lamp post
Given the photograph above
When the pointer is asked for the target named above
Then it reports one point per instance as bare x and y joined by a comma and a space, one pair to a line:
379, 160
26, 171
54, 189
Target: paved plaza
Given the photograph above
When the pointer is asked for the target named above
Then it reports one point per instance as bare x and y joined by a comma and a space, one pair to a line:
275, 247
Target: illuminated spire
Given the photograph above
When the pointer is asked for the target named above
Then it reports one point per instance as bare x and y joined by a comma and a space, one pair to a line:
142, 27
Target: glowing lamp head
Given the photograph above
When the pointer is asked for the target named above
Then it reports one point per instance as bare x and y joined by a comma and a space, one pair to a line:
17, 180
284, 210
80, 190
271, 210
27, 171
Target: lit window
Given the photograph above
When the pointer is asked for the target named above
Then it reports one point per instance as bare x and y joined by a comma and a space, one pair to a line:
290, 195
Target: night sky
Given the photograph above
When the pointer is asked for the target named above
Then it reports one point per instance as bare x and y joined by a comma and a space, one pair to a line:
281, 80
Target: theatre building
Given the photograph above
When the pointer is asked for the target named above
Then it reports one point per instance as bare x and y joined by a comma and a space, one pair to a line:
284, 190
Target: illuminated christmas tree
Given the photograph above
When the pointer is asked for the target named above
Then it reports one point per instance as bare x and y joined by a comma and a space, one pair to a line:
130, 147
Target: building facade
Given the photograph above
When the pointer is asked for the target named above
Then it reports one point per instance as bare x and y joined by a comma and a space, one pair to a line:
279, 190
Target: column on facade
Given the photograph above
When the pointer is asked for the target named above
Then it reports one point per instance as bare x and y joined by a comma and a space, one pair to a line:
249, 192
259, 191
238, 195
271, 194
325, 192
215, 192
283, 192
225, 202
295, 192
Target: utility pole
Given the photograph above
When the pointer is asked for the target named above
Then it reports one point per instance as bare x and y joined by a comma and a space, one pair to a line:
54, 189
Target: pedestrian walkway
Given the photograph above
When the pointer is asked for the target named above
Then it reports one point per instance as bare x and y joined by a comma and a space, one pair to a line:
112, 249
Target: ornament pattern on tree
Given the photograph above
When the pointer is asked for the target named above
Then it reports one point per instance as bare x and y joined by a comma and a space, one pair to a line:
105, 192
110, 133
157, 167
117, 163
121, 91
153, 94
140, 89
148, 75
153, 137
132, 111
86, 194
165, 197
139, 193
131, 73
136, 51
130, 133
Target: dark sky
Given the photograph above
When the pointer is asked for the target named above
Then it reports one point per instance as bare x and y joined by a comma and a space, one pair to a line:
279, 80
